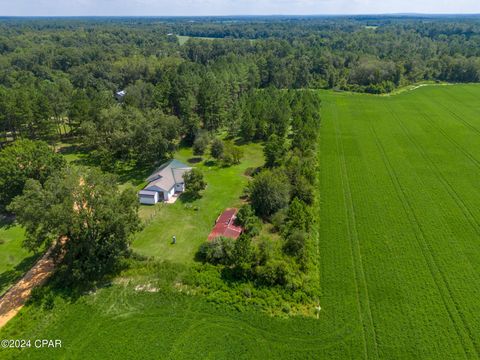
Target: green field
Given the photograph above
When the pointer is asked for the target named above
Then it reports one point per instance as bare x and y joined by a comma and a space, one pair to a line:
399, 251
400, 225
182, 39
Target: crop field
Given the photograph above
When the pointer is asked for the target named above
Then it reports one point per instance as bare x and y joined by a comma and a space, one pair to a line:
400, 221
399, 252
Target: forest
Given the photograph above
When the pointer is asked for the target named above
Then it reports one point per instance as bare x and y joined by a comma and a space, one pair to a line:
57, 76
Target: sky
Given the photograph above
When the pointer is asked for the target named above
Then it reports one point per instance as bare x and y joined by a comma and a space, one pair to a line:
230, 7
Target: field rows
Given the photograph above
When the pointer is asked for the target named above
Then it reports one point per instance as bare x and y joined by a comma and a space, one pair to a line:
409, 170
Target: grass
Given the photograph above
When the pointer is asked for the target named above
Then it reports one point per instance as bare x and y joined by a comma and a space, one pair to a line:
14, 260
400, 223
399, 252
121, 323
191, 222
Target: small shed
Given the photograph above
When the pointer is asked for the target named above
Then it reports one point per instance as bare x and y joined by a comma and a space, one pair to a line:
225, 225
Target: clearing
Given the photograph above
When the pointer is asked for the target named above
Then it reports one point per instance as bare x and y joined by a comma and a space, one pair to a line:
192, 222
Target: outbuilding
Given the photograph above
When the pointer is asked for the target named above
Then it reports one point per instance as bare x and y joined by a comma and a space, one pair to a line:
225, 225
148, 197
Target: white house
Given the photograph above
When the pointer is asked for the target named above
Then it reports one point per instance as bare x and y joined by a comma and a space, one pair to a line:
164, 183
119, 95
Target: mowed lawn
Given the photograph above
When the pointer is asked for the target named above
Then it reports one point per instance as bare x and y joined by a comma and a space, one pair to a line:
191, 222
400, 221
14, 259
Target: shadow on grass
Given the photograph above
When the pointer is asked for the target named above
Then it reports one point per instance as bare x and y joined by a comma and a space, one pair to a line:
6, 221
239, 141
73, 149
188, 198
135, 175
63, 286
195, 160
210, 163
9, 277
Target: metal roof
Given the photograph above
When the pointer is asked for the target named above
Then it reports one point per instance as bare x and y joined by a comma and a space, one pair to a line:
147, 192
225, 225
167, 175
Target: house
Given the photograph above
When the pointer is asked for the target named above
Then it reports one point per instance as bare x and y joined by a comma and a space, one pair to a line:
119, 95
164, 183
225, 225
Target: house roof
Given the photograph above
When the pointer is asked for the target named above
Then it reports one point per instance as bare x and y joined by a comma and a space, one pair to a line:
167, 175
225, 225
147, 193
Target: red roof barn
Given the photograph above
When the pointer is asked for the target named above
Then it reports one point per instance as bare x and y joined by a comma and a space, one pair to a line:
225, 225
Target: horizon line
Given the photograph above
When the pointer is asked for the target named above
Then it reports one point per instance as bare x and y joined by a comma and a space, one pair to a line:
246, 15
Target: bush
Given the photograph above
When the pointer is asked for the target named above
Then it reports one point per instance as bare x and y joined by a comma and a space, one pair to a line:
217, 148
296, 243
273, 273
232, 154
218, 251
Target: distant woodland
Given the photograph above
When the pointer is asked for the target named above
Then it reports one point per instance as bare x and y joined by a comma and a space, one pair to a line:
58, 76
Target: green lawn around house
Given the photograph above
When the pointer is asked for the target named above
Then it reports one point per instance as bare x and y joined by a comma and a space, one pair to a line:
191, 222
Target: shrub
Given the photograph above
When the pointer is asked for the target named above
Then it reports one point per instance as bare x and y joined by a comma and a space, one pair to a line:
232, 155
273, 273
218, 251
295, 243
217, 148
